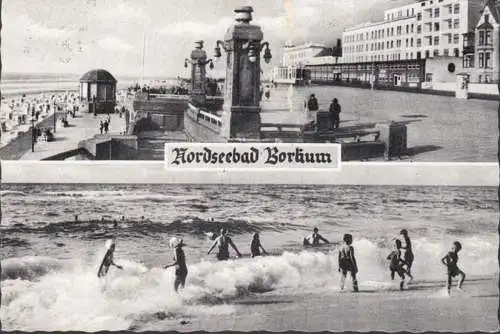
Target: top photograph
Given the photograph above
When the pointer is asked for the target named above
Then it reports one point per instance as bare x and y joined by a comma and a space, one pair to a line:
118, 79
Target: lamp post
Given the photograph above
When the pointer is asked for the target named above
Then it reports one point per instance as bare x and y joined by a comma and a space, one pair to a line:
55, 116
198, 63
242, 45
33, 135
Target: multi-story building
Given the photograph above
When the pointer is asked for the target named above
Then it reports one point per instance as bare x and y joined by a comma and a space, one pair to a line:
424, 29
482, 46
295, 58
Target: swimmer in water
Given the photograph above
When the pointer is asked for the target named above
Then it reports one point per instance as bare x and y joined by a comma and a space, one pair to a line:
314, 238
108, 261
396, 263
451, 261
408, 256
223, 241
180, 263
256, 246
347, 263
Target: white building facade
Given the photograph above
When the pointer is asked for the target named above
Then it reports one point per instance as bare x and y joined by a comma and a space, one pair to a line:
424, 29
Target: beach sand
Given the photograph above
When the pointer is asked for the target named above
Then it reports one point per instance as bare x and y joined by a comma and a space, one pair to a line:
425, 306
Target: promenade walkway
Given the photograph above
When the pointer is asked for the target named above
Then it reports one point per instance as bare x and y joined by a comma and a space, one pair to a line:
84, 126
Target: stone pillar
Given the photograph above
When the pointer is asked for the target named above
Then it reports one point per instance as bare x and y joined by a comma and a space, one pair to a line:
241, 111
198, 75
462, 87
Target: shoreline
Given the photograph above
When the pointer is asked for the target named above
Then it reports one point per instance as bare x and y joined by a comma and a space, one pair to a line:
423, 306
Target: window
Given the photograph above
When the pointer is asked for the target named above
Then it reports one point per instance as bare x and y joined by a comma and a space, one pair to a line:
436, 12
456, 52
430, 40
419, 29
487, 60
481, 60
486, 17
411, 28
392, 44
456, 39
388, 45
481, 37
419, 42
419, 55
436, 40
488, 37
450, 9
407, 42
469, 61
450, 24
412, 11
449, 39
407, 29
456, 24
480, 78
392, 31
446, 52
456, 8
411, 55
419, 16
436, 26
411, 42
436, 53
427, 54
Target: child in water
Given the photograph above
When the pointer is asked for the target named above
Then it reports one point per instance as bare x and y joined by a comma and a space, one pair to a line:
108, 260
450, 260
347, 263
396, 264
180, 263
408, 256
256, 246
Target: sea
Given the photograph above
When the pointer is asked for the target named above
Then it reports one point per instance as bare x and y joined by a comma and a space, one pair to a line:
34, 83
50, 257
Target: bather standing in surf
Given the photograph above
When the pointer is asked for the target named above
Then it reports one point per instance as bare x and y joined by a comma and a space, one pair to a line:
108, 260
179, 261
223, 241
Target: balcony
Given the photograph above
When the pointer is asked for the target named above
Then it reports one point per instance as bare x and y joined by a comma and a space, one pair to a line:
468, 49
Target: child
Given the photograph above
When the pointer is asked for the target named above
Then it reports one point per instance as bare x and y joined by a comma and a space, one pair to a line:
256, 246
396, 264
180, 263
408, 257
108, 260
347, 263
450, 260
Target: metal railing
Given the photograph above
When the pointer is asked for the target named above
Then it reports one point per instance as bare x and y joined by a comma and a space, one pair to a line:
198, 114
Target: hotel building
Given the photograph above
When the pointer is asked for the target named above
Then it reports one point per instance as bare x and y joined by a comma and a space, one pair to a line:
422, 30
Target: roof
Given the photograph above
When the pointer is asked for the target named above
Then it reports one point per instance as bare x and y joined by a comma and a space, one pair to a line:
98, 75
485, 25
494, 7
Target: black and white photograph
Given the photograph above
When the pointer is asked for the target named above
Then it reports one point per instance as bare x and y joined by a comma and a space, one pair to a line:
117, 79
92, 257
250, 165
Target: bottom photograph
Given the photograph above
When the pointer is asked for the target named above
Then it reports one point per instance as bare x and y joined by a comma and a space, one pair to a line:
211, 257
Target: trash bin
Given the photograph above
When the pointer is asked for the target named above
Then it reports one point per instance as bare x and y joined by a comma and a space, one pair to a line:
323, 121
397, 145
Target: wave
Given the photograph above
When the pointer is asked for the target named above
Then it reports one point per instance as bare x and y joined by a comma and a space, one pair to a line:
5, 193
100, 229
29, 268
74, 299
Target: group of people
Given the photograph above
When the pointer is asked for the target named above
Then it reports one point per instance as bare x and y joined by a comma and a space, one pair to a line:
334, 110
104, 125
399, 263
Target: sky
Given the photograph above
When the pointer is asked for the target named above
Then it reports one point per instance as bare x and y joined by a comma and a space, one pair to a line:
74, 36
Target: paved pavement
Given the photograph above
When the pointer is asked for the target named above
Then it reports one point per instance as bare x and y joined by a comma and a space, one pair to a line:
84, 126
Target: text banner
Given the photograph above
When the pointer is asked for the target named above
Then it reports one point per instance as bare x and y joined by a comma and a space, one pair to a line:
253, 156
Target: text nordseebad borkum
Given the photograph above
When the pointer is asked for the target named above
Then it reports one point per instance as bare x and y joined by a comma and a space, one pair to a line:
270, 155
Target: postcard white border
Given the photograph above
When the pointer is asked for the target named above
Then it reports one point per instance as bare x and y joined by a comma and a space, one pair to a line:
352, 173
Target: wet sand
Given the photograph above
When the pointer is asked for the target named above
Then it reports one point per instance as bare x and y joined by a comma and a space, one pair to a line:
423, 307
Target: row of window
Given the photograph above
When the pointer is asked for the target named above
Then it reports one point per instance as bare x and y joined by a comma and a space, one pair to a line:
452, 39
410, 55
380, 33
455, 9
